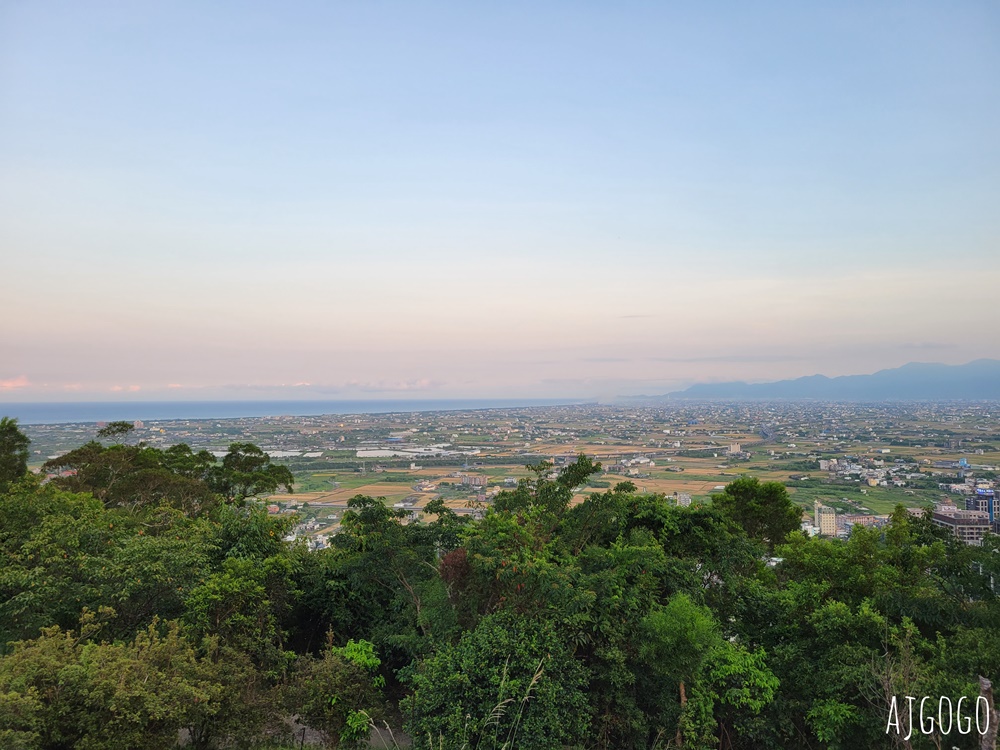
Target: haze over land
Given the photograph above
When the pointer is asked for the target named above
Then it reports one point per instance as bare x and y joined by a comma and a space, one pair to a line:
533, 200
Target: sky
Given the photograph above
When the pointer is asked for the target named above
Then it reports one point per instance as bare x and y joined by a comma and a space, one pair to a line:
522, 199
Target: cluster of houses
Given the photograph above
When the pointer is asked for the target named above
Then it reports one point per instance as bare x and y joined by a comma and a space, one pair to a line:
636, 466
827, 521
873, 472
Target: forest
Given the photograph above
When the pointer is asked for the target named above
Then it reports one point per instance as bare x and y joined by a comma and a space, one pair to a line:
148, 600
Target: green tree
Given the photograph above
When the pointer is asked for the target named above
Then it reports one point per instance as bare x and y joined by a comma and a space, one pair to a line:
138, 477
75, 692
241, 605
19, 719
675, 641
68, 689
181, 460
338, 693
244, 705
13, 452
247, 471
52, 543
116, 431
63, 552
553, 495
383, 576
764, 510
511, 682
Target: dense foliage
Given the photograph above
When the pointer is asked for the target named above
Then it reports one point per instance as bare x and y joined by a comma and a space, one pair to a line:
146, 598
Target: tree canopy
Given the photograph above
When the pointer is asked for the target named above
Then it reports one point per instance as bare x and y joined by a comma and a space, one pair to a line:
13, 452
763, 509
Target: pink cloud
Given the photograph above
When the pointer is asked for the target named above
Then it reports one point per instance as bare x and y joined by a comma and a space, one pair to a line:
135, 388
117, 388
174, 385
21, 381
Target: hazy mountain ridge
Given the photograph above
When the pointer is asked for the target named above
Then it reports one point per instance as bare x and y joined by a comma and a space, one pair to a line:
977, 380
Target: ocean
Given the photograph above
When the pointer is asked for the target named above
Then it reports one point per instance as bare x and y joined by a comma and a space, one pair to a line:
95, 411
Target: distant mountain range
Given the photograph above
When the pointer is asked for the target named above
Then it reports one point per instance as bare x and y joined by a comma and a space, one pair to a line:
917, 381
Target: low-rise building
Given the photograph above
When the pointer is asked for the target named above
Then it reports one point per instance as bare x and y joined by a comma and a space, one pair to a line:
862, 519
967, 525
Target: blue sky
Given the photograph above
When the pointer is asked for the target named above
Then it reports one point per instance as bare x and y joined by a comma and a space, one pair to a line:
533, 199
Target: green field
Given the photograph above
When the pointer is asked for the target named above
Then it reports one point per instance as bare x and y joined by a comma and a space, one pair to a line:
879, 500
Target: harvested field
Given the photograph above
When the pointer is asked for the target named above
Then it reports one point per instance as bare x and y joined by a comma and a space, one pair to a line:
394, 491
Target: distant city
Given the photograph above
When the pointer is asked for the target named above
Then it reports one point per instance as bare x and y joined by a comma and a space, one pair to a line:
844, 464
